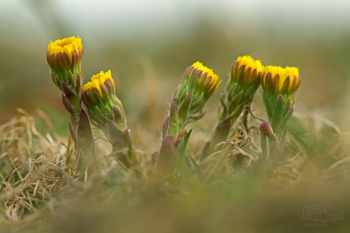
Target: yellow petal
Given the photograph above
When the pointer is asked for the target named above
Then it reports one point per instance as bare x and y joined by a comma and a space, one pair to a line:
210, 73
248, 61
98, 80
291, 72
66, 45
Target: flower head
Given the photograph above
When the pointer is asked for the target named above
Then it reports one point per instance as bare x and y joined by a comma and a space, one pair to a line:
283, 80
246, 72
102, 82
101, 102
240, 88
187, 105
198, 80
107, 113
64, 53
64, 58
214, 79
280, 86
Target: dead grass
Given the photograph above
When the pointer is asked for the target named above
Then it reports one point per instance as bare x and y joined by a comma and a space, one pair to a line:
40, 190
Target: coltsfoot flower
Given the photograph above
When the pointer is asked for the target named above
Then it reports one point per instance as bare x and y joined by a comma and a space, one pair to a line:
64, 58
107, 113
285, 81
102, 103
241, 87
246, 71
198, 80
280, 86
238, 94
187, 106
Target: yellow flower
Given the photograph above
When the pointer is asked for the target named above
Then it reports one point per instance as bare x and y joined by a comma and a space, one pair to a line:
283, 80
240, 88
249, 62
214, 82
66, 45
100, 80
246, 72
102, 103
65, 54
64, 58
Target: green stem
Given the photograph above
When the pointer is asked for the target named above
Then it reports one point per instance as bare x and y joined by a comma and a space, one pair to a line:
267, 146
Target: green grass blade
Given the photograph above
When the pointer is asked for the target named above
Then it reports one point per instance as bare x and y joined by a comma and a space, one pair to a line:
19, 176
182, 151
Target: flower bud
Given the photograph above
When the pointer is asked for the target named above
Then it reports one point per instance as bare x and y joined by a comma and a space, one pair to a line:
280, 86
238, 95
285, 81
266, 130
102, 103
200, 81
245, 77
64, 58
187, 106
241, 87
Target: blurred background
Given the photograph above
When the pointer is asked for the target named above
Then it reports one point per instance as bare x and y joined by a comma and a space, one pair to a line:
148, 44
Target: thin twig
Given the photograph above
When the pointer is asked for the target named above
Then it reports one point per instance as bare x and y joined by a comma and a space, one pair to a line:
254, 116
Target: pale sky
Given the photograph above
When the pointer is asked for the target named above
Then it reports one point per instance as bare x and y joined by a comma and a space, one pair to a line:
156, 18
